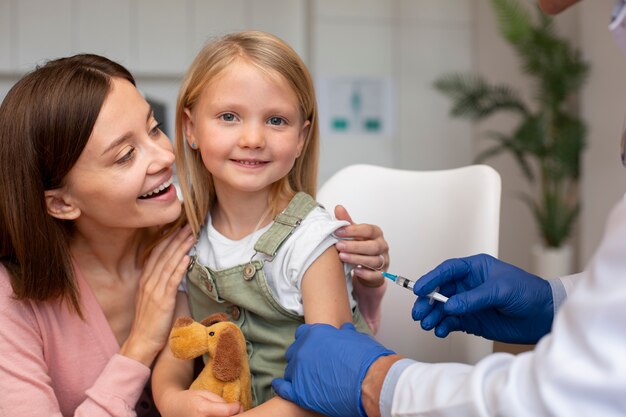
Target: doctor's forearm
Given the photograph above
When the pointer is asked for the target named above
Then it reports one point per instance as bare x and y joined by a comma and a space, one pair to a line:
373, 383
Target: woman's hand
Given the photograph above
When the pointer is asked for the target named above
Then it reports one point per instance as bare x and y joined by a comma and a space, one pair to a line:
197, 403
364, 246
156, 297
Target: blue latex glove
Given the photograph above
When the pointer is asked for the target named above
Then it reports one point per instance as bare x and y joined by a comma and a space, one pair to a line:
325, 369
488, 298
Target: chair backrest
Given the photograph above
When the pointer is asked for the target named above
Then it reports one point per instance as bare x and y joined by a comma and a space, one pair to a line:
426, 217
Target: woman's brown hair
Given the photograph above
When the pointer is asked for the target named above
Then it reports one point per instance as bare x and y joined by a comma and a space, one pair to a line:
46, 120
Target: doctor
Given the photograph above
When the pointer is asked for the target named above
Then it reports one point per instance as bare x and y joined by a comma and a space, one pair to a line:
577, 369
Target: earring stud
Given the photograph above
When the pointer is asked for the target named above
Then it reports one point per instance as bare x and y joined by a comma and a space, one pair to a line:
193, 145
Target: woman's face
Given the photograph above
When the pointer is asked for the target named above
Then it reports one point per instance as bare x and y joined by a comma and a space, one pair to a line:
123, 177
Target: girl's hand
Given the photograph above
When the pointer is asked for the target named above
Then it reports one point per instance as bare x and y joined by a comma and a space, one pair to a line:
156, 297
198, 403
367, 248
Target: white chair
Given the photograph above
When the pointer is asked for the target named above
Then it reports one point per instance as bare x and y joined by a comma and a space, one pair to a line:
426, 217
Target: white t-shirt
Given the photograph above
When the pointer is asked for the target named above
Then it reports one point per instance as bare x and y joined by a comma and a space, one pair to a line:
284, 274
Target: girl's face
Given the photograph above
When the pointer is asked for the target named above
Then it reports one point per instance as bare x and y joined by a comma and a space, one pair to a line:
123, 177
248, 127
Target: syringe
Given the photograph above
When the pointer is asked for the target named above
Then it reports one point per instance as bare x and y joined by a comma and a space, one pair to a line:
407, 283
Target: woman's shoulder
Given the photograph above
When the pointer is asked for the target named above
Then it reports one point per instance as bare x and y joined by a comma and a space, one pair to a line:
12, 310
6, 290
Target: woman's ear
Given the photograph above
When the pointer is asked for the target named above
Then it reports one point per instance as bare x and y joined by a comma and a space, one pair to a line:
59, 206
188, 128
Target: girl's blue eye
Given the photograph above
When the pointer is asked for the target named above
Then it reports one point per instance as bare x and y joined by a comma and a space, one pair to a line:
228, 117
276, 121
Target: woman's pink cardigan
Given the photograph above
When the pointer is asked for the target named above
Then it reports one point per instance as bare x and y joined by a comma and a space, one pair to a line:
52, 363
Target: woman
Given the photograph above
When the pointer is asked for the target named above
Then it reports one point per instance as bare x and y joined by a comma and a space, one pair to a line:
85, 304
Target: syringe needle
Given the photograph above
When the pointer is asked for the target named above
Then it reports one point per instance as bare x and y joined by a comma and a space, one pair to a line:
407, 283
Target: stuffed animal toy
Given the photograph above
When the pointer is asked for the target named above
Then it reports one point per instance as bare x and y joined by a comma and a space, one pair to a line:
227, 372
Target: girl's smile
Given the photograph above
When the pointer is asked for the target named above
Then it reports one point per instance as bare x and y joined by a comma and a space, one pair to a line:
249, 163
248, 128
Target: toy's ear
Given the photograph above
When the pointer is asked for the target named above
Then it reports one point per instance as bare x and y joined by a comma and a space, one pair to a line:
182, 321
214, 318
227, 361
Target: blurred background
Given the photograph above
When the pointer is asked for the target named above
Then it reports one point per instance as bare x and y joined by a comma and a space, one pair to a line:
374, 62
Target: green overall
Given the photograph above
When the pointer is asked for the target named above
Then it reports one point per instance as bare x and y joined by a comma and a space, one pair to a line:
243, 293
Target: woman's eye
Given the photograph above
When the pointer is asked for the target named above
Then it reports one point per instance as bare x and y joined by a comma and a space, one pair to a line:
228, 117
155, 130
276, 121
127, 156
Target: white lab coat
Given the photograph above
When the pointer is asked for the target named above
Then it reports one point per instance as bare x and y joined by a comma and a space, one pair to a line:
579, 369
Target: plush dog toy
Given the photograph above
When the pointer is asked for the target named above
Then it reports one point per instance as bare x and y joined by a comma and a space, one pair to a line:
227, 372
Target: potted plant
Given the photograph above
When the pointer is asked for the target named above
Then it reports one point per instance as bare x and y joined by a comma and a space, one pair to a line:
549, 137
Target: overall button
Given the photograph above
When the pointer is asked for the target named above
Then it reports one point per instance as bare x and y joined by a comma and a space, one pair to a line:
235, 313
248, 272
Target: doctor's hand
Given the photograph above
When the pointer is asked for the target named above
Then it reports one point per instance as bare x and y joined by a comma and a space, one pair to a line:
488, 298
326, 367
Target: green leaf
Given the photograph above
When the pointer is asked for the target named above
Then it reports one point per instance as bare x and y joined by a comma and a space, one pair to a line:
568, 144
514, 21
474, 99
508, 143
557, 219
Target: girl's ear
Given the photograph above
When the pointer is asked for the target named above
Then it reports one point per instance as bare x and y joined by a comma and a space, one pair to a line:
188, 128
59, 205
304, 134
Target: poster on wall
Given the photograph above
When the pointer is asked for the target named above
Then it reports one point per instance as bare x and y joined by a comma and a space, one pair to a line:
356, 106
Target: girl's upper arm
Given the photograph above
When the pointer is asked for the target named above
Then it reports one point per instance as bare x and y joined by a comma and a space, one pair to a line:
324, 291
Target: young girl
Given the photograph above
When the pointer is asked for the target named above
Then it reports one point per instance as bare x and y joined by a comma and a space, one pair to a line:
249, 152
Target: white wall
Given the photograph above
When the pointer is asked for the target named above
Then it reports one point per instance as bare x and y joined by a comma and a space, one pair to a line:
155, 39
604, 108
410, 42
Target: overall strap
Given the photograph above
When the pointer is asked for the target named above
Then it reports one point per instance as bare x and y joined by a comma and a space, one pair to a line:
285, 223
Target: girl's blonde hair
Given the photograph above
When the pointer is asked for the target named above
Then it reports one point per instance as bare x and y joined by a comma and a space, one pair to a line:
269, 54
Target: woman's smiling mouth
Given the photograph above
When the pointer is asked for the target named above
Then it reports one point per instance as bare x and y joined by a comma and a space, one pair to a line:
158, 190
